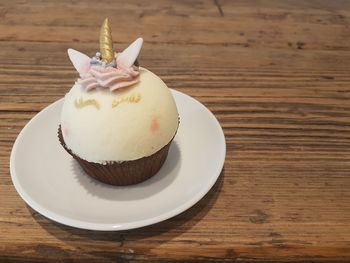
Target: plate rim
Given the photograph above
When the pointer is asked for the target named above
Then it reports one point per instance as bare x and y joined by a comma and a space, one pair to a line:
110, 226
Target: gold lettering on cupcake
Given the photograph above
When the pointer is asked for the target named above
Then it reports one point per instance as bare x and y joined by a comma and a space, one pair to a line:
133, 98
80, 103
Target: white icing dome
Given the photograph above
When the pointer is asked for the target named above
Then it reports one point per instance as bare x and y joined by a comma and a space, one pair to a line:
127, 124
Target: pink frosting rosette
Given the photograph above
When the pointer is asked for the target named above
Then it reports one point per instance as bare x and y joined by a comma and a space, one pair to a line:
109, 77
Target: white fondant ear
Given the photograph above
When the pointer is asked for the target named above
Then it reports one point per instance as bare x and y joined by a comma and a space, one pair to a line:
130, 54
80, 61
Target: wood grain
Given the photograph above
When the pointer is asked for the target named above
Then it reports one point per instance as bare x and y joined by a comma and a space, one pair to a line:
275, 74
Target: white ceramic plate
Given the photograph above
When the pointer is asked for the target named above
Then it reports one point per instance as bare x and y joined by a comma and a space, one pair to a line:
52, 183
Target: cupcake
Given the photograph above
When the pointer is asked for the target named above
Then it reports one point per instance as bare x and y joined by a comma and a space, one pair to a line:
119, 119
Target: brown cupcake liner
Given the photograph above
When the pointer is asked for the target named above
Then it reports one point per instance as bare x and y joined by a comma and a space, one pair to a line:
121, 173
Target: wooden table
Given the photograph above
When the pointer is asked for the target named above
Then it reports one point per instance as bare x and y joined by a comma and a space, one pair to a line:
275, 74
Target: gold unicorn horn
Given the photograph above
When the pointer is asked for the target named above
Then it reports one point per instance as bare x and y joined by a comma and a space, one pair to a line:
106, 43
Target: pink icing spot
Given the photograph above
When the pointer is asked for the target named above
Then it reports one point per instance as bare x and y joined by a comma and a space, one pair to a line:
66, 131
154, 125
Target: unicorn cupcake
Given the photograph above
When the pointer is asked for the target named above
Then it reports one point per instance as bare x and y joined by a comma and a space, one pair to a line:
119, 119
